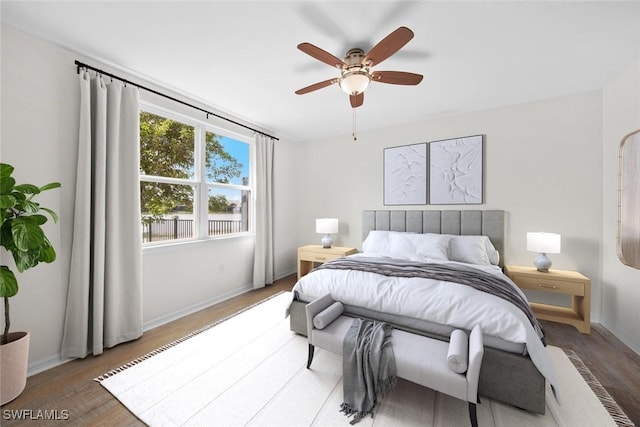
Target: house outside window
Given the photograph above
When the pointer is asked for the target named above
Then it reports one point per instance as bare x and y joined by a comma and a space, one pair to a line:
195, 180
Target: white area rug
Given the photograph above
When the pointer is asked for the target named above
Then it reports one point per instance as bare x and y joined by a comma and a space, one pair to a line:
251, 370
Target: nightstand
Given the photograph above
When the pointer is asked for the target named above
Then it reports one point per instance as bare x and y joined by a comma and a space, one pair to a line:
558, 282
311, 254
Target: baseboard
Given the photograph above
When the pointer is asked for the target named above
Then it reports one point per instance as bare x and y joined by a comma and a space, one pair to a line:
151, 324
283, 275
202, 305
44, 365
633, 345
52, 362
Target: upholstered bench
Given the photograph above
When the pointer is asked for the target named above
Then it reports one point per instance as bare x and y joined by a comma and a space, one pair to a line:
450, 367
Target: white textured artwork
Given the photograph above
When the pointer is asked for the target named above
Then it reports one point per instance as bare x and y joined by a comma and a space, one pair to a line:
405, 175
455, 171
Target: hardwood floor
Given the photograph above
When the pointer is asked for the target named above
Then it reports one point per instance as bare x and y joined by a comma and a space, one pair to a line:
69, 389
69, 392
615, 365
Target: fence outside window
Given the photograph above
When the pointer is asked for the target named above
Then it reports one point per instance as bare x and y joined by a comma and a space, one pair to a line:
180, 228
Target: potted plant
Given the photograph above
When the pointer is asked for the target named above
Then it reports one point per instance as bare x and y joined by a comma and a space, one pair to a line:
22, 236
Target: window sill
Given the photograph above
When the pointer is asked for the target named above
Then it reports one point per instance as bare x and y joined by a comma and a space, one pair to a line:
173, 244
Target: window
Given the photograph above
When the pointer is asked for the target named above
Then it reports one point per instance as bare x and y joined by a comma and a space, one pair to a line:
195, 181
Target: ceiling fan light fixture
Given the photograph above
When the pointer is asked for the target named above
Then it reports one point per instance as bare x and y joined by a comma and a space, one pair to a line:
355, 82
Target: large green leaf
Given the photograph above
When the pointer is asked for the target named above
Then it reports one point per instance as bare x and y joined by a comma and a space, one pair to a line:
50, 186
27, 189
47, 253
6, 236
27, 234
39, 219
8, 282
54, 216
5, 170
26, 259
28, 206
7, 201
19, 196
6, 185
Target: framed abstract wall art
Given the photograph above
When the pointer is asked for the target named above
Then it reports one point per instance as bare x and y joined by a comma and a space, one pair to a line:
405, 175
456, 171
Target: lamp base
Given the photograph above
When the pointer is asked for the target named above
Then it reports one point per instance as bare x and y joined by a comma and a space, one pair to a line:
542, 263
326, 241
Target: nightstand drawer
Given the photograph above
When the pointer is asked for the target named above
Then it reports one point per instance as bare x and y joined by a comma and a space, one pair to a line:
316, 257
310, 255
549, 285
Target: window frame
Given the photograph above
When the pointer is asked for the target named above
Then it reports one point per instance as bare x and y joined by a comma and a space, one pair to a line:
199, 181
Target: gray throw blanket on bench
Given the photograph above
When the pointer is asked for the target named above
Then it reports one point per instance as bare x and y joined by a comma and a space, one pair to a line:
369, 369
469, 276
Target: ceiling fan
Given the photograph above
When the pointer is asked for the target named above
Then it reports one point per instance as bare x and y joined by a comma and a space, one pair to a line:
355, 69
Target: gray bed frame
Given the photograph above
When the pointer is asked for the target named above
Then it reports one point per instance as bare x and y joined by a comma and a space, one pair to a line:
505, 377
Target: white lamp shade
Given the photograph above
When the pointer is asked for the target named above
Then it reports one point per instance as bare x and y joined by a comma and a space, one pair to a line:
545, 243
327, 225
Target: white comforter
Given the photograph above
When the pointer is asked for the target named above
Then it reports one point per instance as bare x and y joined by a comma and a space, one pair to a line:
436, 301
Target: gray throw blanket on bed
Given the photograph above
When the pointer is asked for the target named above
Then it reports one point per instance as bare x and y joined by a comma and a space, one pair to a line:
369, 369
469, 276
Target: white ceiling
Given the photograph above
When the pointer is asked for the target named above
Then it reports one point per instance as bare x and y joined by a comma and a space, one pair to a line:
241, 56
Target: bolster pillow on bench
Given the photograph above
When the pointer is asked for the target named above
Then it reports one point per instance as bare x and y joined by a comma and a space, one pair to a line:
328, 315
458, 353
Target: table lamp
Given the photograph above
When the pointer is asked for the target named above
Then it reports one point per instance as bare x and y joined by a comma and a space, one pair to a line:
543, 243
326, 226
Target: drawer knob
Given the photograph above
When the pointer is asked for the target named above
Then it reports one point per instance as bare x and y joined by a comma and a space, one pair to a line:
542, 285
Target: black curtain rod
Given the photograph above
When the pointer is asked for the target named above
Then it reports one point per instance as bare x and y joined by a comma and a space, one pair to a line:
80, 65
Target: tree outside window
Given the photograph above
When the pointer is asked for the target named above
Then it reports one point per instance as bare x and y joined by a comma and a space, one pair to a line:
172, 186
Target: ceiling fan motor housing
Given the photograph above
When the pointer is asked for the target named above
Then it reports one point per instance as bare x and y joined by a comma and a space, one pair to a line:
355, 76
354, 57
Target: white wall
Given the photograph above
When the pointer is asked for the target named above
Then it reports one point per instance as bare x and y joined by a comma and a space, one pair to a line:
542, 166
39, 102
285, 202
39, 137
620, 283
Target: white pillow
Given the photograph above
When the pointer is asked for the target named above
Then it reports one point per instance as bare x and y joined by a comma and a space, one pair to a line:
494, 255
377, 241
419, 247
473, 250
328, 315
458, 352
401, 245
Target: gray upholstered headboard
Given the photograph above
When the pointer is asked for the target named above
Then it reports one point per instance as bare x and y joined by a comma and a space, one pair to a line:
490, 223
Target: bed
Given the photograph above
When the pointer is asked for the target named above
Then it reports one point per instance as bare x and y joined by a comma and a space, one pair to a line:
380, 283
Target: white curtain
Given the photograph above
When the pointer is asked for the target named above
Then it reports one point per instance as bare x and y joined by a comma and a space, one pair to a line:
104, 298
263, 259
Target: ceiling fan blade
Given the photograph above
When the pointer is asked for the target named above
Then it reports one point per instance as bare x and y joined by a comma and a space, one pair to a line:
321, 55
396, 77
356, 100
316, 86
388, 46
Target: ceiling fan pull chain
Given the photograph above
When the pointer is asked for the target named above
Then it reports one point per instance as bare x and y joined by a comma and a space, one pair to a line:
355, 138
